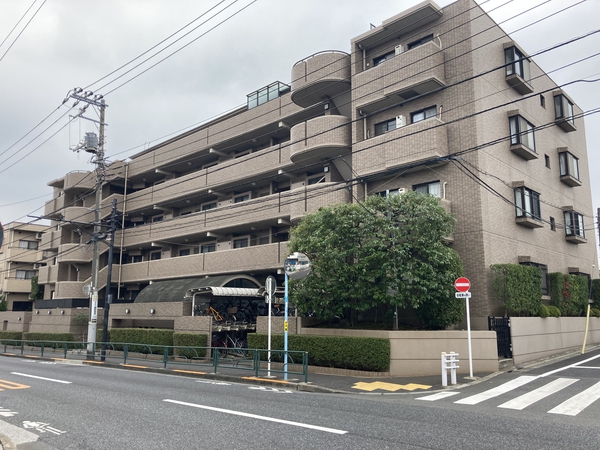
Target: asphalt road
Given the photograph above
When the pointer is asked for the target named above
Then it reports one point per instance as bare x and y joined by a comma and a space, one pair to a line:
51, 405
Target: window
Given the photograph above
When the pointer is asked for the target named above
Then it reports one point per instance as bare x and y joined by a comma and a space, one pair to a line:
574, 224
383, 58
264, 240
552, 224
432, 188
426, 113
569, 165
521, 132
154, 256
208, 248
315, 180
25, 274
241, 198
542, 101
184, 252
137, 259
240, 243
391, 192
266, 94
157, 219
384, 127
421, 41
547, 158
516, 63
208, 206
563, 108
527, 203
544, 269
28, 245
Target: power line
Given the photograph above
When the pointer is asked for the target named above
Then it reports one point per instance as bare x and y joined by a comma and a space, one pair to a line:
21, 32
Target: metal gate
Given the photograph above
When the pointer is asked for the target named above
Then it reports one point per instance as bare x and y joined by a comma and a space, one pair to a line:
501, 325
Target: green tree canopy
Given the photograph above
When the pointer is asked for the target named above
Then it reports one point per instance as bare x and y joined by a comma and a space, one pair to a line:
381, 251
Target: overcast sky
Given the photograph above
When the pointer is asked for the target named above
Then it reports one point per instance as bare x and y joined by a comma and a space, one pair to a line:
72, 43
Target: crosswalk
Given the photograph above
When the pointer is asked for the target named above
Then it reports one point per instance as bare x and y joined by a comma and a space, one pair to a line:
570, 407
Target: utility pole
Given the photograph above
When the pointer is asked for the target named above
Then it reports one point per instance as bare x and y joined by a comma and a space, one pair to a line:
108, 299
96, 149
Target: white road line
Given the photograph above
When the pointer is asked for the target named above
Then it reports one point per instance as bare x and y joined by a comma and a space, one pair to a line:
438, 396
495, 392
40, 378
538, 394
569, 367
255, 416
578, 402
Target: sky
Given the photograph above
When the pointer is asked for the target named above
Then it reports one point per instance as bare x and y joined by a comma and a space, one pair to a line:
50, 47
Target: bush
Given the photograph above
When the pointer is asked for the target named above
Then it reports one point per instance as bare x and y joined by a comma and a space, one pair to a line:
52, 337
569, 293
190, 340
519, 288
553, 311
544, 311
595, 312
3, 303
146, 336
11, 335
356, 353
596, 291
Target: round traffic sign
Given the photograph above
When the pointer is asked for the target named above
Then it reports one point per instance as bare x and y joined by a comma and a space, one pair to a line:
462, 284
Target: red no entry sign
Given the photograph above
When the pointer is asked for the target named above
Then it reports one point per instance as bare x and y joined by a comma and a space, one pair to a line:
462, 284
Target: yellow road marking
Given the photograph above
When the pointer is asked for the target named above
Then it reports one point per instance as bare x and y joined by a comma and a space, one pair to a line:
134, 366
189, 371
392, 387
93, 362
9, 354
31, 356
263, 379
11, 385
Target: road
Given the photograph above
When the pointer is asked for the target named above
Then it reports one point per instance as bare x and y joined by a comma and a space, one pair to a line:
51, 405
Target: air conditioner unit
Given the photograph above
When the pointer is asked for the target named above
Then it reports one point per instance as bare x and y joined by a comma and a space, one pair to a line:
37, 266
398, 49
400, 121
38, 235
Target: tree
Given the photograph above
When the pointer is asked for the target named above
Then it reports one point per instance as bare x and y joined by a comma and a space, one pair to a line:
37, 291
381, 251
3, 302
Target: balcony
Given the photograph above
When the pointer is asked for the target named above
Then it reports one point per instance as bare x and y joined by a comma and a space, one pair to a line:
257, 258
14, 285
50, 240
406, 146
320, 138
22, 255
80, 180
74, 253
324, 74
79, 214
415, 72
309, 199
69, 289
48, 274
54, 208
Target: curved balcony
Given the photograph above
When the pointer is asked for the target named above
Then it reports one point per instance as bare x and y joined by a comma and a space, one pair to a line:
74, 253
80, 180
320, 75
48, 274
79, 214
54, 208
309, 199
407, 75
320, 138
403, 147
50, 240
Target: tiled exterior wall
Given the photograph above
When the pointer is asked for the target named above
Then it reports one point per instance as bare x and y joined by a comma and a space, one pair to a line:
326, 131
331, 66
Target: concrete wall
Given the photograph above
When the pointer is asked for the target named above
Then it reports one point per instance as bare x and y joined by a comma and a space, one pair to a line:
534, 337
413, 352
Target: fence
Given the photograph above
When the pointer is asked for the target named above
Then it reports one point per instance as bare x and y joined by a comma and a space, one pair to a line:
178, 358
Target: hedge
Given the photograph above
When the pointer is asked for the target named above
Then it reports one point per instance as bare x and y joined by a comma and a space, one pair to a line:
596, 291
63, 337
11, 335
569, 293
356, 353
519, 288
146, 336
190, 340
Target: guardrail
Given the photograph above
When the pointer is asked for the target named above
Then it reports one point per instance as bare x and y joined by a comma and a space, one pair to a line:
178, 358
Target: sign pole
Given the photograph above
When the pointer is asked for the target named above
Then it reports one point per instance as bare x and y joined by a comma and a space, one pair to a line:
269, 339
469, 339
285, 331
462, 286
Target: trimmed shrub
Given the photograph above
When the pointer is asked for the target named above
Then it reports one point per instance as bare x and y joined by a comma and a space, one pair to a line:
519, 288
190, 340
569, 293
595, 312
553, 311
544, 311
11, 335
356, 353
596, 291
63, 337
142, 336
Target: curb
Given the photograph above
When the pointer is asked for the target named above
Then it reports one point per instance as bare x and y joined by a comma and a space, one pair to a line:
6, 443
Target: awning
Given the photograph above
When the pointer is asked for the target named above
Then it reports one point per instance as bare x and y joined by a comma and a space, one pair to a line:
182, 289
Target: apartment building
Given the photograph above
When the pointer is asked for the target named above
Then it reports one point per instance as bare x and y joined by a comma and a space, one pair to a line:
20, 257
438, 100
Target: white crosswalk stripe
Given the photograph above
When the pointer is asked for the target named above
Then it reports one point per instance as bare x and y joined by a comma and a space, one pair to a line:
570, 407
578, 402
531, 397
